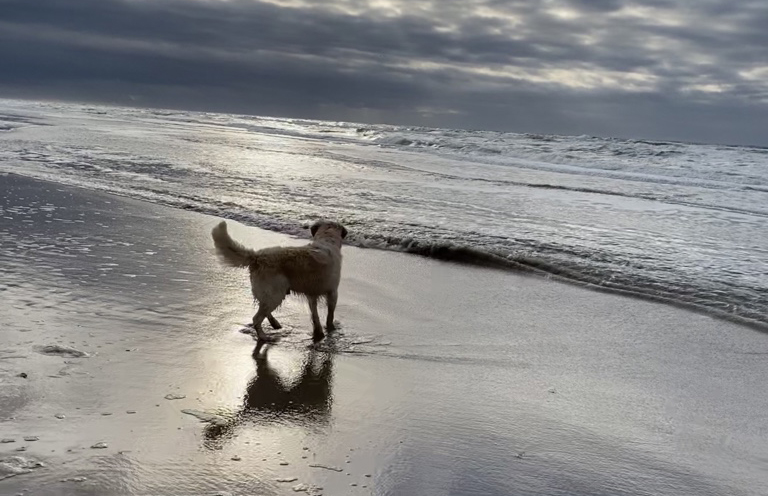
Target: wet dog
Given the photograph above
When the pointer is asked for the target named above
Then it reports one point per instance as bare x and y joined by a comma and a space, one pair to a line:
313, 271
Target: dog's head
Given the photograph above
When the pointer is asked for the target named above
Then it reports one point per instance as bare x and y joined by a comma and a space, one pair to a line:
328, 229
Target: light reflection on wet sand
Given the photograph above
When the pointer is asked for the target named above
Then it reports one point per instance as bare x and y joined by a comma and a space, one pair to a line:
301, 399
442, 380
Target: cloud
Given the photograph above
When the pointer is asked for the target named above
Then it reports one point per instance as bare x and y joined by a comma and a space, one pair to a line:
570, 66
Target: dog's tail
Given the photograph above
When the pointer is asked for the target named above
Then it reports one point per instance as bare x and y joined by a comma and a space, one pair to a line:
230, 251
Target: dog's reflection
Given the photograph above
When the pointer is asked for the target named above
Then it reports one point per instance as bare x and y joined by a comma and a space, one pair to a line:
269, 398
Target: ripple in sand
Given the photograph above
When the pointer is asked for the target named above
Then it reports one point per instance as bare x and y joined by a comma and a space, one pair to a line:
326, 467
75, 479
206, 417
306, 488
17, 465
57, 350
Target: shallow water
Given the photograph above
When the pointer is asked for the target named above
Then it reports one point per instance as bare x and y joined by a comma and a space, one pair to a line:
679, 222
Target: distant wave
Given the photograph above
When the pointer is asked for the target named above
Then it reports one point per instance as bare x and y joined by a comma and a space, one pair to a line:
640, 160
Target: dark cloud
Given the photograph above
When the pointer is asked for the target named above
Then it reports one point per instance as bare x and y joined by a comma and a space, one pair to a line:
660, 68
596, 5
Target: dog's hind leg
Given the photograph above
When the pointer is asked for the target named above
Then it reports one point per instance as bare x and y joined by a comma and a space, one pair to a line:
273, 322
317, 328
331, 298
269, 291
265, 312
262, 313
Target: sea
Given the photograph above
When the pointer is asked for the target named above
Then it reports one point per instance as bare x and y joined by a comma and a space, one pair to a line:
682, 223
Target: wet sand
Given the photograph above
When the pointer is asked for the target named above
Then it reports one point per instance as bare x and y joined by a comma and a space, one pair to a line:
444, 379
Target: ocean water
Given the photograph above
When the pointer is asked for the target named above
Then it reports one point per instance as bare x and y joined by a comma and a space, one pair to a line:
678, 222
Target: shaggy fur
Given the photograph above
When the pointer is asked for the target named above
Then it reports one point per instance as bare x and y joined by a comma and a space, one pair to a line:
313, 270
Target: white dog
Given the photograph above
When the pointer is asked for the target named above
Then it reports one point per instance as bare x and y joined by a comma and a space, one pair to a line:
313, 270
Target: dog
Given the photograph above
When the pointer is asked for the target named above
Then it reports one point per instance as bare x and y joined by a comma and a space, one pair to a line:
313, 271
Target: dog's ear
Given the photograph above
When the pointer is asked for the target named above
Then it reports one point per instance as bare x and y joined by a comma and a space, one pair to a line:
314, 228
343, 232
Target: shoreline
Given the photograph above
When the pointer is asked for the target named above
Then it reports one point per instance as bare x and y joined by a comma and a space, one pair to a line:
467, 257
444, 379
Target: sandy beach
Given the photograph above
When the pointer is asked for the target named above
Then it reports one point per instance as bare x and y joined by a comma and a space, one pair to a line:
123, 372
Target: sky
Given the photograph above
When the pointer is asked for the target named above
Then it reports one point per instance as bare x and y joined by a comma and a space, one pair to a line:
692, 70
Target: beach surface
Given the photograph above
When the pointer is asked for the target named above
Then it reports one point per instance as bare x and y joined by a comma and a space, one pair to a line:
123, 371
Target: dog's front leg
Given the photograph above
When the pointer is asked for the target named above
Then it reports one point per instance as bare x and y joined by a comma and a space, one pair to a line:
317, 328
332, 298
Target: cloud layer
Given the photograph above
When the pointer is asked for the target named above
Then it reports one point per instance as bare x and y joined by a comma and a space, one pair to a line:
660, 68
